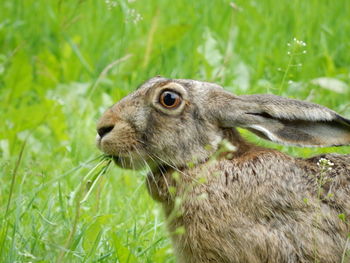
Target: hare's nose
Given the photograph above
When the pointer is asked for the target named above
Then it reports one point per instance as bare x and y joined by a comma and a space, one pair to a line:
102, 131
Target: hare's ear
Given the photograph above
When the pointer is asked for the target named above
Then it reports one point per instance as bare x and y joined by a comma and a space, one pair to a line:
281, 120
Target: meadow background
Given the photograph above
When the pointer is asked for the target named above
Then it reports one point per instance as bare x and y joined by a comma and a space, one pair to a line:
62, 63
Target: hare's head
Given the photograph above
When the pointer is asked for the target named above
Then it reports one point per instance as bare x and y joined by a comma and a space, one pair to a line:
177, 121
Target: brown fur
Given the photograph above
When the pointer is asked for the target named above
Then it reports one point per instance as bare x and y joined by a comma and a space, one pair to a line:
261, 206
248, 204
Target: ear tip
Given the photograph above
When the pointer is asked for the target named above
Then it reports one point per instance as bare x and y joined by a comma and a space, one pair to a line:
342, 119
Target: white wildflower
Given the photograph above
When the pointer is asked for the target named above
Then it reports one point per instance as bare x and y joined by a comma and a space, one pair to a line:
325, 164
134, 16
111, 4
299, 42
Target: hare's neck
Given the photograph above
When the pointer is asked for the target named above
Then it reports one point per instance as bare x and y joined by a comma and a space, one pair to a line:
162, 178
234, 137
159, 181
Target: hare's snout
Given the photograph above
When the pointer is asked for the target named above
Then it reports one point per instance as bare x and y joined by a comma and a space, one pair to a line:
115, 136
118, 139
102, 131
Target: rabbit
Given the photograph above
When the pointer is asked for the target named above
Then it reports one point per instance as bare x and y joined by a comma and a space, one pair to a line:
225, 199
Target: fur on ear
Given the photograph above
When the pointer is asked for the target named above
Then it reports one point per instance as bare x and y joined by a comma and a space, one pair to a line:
282, 120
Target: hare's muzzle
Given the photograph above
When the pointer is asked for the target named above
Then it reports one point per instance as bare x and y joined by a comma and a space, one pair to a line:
116, 136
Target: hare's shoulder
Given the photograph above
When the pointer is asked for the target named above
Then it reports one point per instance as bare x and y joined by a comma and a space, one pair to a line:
270, 168
332, 175
252, 176
262, 165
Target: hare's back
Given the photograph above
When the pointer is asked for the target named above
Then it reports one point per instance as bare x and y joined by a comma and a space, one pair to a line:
340, 160
263, 198
333, 175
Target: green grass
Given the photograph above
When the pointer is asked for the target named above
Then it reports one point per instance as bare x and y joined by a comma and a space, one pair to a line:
63, 62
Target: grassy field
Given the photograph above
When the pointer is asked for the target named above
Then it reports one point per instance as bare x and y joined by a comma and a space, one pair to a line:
63, 62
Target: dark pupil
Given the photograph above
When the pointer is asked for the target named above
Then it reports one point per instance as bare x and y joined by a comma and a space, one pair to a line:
169, 98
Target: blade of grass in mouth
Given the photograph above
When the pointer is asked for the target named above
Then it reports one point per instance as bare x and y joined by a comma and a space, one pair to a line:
91, 178
93, 182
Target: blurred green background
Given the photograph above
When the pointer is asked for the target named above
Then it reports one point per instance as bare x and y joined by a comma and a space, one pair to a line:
63, 62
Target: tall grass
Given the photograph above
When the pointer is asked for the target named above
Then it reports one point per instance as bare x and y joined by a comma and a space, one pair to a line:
63, 62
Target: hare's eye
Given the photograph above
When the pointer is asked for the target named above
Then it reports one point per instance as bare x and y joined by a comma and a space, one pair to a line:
170, 99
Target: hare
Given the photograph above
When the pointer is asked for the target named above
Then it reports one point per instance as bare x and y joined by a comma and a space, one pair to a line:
225, 199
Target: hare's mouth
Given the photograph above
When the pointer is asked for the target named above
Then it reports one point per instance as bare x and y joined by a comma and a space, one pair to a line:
114, 148
124, 155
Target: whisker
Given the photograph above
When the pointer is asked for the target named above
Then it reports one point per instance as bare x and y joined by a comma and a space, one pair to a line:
122, 161
167, 163
165, 180
140, 141
150, 170
173, 165
163, 175
131, 160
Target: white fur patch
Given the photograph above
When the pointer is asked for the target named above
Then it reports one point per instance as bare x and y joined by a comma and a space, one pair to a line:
268, 134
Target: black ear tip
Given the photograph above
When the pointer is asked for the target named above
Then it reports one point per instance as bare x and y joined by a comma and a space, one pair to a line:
344, 120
